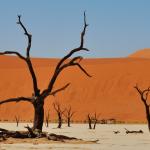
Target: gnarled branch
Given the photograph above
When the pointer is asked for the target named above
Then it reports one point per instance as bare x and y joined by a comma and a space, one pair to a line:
17, 99
28, 60
13, 52
76, 49
69, 113
82, 69
58, 108
74, 63
143, 94
27, 34
60, 66
60, 89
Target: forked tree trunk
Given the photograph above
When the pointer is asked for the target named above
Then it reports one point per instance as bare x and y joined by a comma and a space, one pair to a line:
37, 99
59, 120
89, 122
95, 122
148, 116
38, 116
68, 121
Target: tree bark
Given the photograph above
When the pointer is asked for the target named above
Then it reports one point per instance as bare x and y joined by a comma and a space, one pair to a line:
148, 116
38, 115
38, 96
89, 122
95, 122
59, 121
68, 120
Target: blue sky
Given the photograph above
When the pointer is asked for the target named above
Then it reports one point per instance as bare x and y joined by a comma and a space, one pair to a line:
116, 27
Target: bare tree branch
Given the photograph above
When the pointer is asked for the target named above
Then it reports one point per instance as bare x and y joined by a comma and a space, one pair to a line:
58, 90
27, 34
83, 32
73, 63
28, 60
82, 69
143, 94
60, 66
68, 115
76, 49
58, 108
13, 52
136, 87
18, 99
69, 112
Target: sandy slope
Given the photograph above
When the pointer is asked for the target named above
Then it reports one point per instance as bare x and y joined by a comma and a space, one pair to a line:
143, 53
109, 92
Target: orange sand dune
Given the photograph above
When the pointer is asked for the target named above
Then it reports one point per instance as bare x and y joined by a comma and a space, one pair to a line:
144, 53
109, 92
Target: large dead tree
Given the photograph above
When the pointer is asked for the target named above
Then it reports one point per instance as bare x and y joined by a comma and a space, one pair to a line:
38, 97
69, 114
59, 112
144, 98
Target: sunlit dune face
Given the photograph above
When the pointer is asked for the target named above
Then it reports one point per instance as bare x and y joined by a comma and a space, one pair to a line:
110, 92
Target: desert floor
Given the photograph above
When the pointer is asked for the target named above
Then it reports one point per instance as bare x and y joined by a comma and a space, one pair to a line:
104, 133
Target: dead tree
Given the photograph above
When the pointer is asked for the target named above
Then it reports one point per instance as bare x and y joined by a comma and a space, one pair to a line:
59, 112
95, 120
38, 97
47, 119
69, 114
92, 120
89, 121
17, 119
144, 98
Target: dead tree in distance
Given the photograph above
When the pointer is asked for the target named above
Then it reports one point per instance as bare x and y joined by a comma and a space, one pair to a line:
59, 112
89, 121
92, 120
38, 97
144, 98
47, 119
17, 119
68, 115
95, 120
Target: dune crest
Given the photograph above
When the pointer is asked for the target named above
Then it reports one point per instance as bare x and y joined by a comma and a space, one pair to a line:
143, 53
